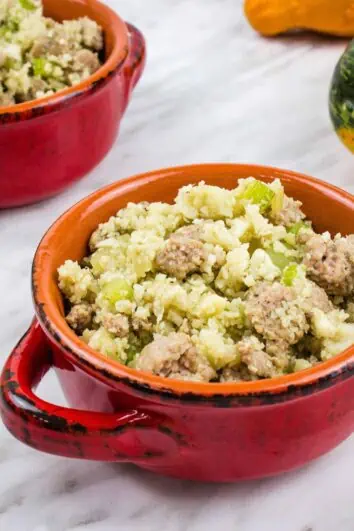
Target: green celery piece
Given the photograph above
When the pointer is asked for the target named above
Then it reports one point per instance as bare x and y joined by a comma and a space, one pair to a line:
39, 65
295, 229
117, 289
242, 314
27, 4
259, 194
289, 274
287, 245
277, 202
278, 259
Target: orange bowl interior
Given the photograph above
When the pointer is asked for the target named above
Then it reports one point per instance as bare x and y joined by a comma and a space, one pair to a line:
328, 207
115, 37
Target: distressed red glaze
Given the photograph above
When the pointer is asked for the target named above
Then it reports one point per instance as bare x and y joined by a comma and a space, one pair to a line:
210, 432
49, 143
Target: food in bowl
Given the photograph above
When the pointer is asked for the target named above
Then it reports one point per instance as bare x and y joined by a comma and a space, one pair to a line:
39, 56
223, 285
186, 429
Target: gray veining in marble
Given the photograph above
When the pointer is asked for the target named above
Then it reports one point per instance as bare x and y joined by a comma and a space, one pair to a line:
213, 90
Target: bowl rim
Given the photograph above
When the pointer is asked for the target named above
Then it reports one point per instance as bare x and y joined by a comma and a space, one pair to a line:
55, 326
114, 61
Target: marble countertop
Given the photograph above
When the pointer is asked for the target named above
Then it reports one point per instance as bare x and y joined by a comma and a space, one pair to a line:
212, 91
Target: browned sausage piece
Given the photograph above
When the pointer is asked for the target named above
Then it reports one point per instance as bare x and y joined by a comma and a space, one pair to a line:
175, 356
331, 264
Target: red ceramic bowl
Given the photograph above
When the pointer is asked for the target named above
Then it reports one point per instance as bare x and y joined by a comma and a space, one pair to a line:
204, 431
49, 143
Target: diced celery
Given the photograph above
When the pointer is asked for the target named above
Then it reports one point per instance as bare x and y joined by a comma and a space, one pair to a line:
277, 201
295, 229
289, 274
40, 67
259, 194
288, 245
290, 241
242, 315
28, 4
117, 289
278, 259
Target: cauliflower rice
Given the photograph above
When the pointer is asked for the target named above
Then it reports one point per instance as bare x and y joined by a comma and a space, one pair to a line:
223, 285
38, 56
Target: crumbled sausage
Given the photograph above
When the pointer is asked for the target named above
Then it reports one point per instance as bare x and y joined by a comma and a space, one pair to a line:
38, 85
236, 374
80, 317
116, 324
330, 263
188, 231
38, 88
229, 374
317, 299
274, 312
304, 235
257, 360
86, 60
290, 214
141, 325
46, 46
175, 356
279, 351
182, 254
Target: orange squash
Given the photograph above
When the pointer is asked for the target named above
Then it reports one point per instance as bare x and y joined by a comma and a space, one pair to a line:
272, 17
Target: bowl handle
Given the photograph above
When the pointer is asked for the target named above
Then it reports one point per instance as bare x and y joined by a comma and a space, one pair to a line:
70, 432
135, 62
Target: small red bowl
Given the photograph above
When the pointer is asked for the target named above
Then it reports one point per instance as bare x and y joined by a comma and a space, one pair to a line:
204, 431
49, 143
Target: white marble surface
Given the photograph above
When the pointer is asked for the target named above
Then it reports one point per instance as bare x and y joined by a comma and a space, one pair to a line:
212, 91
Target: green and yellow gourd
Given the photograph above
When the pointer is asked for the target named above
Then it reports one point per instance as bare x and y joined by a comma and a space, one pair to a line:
342, 98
